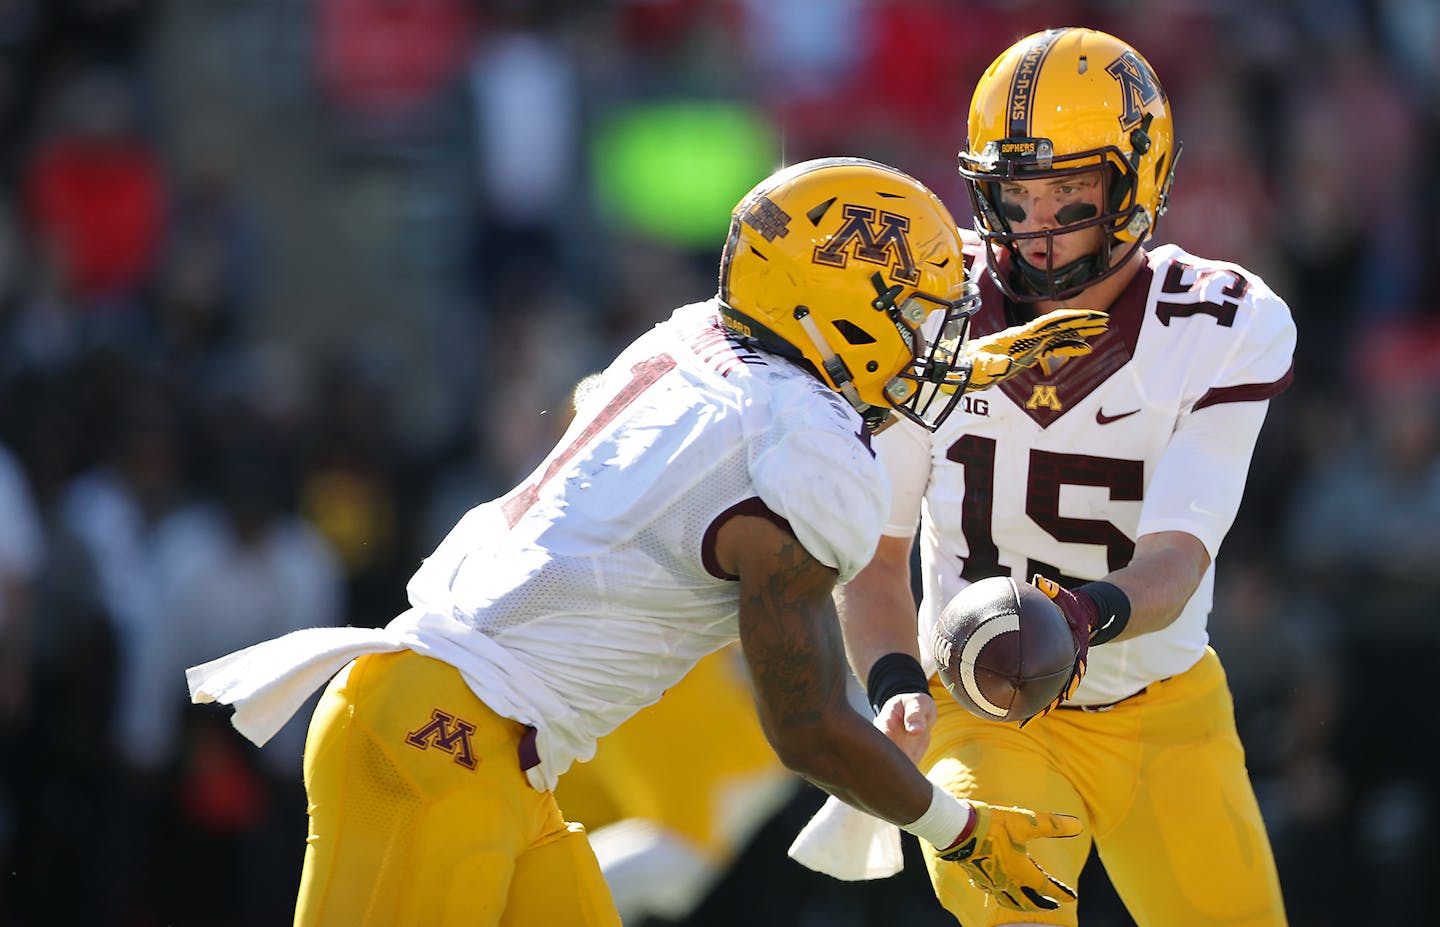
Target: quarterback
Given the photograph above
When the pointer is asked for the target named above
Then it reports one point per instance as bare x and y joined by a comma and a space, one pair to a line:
1109, 480
716, 486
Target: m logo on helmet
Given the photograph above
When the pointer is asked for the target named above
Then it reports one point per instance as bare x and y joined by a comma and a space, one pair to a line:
883, 243
1138, 87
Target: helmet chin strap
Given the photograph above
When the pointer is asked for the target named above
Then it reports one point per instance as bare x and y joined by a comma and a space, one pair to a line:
1061, 278
1069, 275
835, 368
875, 417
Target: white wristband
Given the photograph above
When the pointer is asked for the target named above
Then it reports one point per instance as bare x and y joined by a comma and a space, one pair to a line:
943, 822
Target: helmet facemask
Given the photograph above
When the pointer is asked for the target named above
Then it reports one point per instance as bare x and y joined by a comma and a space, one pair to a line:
1124, 222
927, 391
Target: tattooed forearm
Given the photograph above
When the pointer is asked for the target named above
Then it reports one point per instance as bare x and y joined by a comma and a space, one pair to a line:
792, 636
793, 644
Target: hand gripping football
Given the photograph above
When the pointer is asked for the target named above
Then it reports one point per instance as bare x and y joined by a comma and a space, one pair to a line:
1003, 649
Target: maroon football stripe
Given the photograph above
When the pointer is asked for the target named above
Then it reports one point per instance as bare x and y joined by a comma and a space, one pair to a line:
1023, 80
752, 506
1247, 392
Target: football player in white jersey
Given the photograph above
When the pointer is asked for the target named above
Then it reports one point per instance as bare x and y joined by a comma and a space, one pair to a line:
1110, 480
716, 486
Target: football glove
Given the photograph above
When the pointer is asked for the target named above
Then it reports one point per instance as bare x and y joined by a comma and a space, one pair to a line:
995, 859
1062, 333
1082, 615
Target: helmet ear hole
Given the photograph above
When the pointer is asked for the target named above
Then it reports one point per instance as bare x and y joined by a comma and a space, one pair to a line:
853, 333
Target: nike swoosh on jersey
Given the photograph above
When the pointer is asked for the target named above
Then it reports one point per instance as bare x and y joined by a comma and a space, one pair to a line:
1102, 419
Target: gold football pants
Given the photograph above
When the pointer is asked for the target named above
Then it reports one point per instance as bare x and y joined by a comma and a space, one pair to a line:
420, 812
1159, 780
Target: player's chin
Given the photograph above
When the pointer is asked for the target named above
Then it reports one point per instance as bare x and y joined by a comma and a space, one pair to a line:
1037, 258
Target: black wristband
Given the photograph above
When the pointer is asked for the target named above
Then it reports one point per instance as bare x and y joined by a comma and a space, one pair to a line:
1113, 606
892, 675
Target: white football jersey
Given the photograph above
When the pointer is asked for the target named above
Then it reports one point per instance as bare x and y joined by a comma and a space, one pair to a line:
582, 595
1059, 471
578, 598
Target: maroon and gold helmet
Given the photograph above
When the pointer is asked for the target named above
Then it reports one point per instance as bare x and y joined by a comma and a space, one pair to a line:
1066, 102
838, 263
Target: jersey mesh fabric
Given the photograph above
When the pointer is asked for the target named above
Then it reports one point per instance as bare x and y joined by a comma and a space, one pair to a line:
580, 597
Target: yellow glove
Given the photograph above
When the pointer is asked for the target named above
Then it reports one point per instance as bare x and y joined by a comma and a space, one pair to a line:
1062, 333
993, 855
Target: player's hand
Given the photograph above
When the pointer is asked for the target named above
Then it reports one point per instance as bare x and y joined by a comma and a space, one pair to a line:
1082, 616
1062, 333
907, 719
995, 858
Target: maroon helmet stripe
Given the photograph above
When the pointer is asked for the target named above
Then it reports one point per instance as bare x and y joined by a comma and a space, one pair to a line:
1022, 82
1247, 392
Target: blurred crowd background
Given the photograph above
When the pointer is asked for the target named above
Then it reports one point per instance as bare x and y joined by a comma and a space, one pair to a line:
288, 285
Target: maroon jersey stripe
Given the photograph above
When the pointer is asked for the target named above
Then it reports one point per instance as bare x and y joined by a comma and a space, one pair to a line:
1247, 392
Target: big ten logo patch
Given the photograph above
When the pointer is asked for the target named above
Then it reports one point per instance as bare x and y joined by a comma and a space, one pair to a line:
974, 405
446, 732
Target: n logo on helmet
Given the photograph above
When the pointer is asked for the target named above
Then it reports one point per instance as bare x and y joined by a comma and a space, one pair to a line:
1138, 87
883, 243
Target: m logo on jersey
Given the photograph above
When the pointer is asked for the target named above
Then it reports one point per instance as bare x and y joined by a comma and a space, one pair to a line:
448, 733
1044, 397
1138, 87
883, 243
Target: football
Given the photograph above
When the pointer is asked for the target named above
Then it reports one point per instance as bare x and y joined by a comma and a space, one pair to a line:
1003, 649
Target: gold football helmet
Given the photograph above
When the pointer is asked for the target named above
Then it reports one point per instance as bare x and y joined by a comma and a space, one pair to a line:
836, 264
1060, 103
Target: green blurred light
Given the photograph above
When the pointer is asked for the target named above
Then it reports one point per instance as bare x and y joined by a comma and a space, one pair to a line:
675, 170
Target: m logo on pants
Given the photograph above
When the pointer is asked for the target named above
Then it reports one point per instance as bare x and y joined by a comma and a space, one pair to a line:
447, 733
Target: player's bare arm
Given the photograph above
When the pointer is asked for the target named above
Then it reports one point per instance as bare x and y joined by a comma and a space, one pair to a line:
877, 615
1145, 595
877, 608
792, 643
1159, 579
